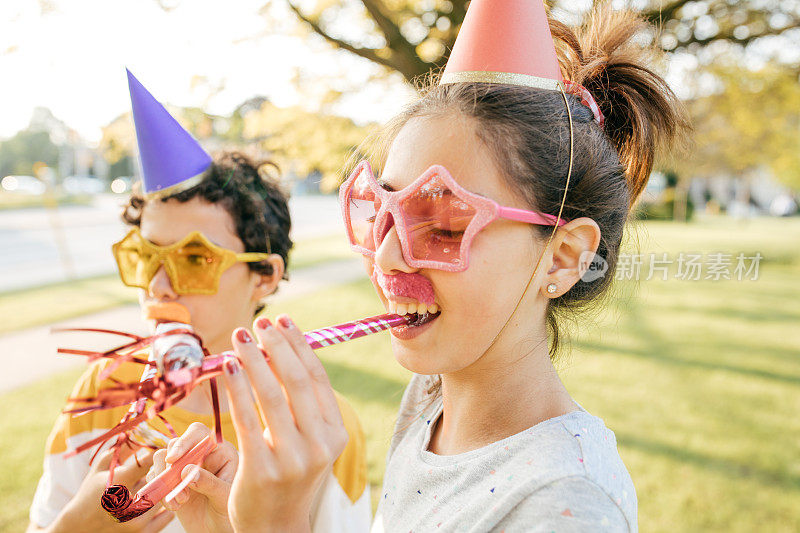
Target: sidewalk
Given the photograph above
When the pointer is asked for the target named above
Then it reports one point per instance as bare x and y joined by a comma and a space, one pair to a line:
30, 355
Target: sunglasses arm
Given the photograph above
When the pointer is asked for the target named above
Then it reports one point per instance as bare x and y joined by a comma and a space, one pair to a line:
530, 217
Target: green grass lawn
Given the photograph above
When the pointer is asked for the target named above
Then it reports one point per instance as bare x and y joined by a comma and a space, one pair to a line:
10, 201
700, 380
60, 301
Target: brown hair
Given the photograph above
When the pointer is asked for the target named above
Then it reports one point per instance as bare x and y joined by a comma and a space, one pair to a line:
252, 197
527, 131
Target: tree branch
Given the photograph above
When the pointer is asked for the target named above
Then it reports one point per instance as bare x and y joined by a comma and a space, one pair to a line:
366, 53
404, 53
728, 36
387, 26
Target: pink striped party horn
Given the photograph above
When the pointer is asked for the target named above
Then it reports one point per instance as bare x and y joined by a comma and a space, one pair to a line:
319, 338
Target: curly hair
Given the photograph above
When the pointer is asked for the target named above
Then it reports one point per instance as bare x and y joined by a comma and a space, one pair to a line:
250, 194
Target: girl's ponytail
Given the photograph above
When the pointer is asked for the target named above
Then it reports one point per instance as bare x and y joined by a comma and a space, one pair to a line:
641, 111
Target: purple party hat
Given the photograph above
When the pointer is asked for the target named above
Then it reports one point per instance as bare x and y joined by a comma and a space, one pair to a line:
172, 160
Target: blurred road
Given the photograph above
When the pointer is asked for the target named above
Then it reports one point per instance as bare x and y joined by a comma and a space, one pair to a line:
29, 238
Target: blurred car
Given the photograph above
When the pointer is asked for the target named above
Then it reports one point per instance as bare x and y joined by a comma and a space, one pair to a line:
782, 205
121, 184
82, 185
23, 185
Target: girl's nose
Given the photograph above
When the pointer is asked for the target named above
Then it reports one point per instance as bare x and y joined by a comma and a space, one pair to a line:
389, 255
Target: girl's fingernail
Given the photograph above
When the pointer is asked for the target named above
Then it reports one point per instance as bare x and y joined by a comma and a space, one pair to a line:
243, 336
263, 323
286, 322
232, 367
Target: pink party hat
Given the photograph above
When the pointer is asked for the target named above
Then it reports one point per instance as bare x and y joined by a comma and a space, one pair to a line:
505, 41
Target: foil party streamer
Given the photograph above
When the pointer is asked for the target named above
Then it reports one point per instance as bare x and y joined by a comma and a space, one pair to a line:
171, 372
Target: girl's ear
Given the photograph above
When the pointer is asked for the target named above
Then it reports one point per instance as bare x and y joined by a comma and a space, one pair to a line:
573, 242
267, 283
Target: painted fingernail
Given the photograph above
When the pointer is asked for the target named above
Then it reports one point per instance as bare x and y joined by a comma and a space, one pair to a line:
263, 323
232, 367
243, 336
286, 322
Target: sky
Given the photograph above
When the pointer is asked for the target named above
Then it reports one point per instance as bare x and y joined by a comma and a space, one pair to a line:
70, 56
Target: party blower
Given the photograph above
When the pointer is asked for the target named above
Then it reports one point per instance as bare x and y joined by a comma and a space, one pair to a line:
178, 362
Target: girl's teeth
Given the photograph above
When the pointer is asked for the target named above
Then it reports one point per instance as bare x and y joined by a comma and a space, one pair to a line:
411, 308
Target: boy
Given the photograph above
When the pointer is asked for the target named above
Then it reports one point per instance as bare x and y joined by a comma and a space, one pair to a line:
191, 206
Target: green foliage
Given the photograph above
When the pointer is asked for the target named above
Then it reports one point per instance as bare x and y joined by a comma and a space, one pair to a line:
690, 25
298, 140
664, 209
305, 142
123, 166
753, 121
19, 153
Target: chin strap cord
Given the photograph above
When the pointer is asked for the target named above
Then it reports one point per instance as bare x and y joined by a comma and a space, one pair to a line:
555, 228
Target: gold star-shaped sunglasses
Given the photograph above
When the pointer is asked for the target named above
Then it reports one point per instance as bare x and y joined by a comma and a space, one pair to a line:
194, 264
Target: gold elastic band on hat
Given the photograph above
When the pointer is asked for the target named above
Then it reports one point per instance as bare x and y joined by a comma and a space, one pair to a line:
175, 189
510, 78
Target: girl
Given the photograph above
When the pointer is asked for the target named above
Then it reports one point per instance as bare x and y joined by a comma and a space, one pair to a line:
496, 187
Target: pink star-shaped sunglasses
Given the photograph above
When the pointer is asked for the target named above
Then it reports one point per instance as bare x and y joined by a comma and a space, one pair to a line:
436, 218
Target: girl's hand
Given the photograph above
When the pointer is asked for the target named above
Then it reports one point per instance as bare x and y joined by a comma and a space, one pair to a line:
283, 466
203, 504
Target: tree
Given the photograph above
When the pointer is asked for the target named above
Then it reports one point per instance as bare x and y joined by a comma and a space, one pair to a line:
407, 36
304, 142
751, 122
19, 153
692, 24
118, 143
297, 140
414, 36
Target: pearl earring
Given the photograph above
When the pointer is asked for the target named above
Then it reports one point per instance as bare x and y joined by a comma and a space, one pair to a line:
551, 288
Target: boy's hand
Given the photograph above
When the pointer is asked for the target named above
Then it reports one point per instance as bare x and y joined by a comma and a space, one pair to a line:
203, 504
84, 513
